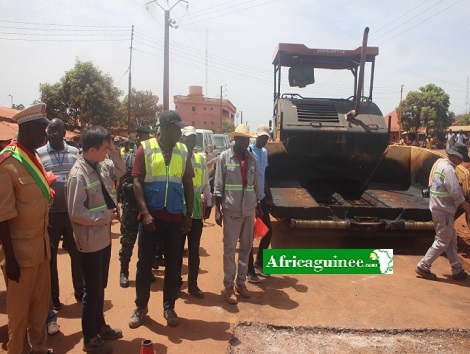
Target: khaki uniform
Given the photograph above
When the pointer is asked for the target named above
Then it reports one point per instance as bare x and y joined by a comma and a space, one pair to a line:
26, 209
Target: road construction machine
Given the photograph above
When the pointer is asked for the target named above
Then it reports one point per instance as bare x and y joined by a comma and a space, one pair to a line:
330, 163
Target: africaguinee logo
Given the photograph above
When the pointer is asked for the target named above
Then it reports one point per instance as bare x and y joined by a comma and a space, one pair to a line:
328, 261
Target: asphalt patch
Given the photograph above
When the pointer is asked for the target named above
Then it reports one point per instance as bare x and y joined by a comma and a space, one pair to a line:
253, 337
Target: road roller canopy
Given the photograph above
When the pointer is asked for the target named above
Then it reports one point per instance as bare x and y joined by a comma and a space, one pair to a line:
292, 55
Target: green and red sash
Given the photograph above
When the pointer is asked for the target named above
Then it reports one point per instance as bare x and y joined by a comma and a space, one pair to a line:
34, 167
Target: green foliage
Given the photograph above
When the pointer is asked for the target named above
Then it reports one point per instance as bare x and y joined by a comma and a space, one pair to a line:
228, 127
428, 107
18, 106
84, 96
144, 109
464, 119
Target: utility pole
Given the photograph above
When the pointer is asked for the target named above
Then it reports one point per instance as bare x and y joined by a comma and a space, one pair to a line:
11, 100
466, 99
399, 114
221, 111
130, 88
166, 60
207, 65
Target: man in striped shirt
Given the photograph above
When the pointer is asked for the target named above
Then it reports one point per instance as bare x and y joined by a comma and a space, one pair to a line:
58, 158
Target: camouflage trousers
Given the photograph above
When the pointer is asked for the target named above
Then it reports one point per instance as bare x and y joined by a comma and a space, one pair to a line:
129, 228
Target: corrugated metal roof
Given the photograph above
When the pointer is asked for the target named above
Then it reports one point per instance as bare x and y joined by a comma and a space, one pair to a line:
8, 112
7, 130
457, 128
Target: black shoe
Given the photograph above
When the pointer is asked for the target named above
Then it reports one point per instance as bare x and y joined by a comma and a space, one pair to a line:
155, 264
97, 345
171, 318
124, 280
57, 304
460, 275
108, 333
196, 292
426, 274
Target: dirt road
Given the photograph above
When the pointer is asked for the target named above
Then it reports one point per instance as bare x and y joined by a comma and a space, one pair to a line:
398, 301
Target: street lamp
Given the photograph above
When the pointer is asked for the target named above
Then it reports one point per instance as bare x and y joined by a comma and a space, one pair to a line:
11, 100
166, 75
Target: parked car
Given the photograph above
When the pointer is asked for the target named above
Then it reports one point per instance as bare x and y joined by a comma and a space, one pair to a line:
221, 143
205, 143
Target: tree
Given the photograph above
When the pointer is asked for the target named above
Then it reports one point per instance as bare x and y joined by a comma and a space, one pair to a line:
428, 107
84, 96
228, 127
464, 119
144, 109
18, 106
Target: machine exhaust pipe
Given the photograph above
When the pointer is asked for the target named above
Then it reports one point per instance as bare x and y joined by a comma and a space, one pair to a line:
360, 84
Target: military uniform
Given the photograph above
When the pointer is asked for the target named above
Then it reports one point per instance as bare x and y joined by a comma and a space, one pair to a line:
130, 213
25, 207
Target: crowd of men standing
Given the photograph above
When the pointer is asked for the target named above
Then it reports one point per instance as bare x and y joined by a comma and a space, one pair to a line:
52, 191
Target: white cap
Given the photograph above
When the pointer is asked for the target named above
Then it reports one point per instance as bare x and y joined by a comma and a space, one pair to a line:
36, 113
263, 129
188, 130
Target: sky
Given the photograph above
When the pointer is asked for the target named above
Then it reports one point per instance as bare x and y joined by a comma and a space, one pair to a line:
229, 45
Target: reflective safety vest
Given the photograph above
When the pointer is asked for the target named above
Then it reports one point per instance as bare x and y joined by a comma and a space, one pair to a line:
163, 185
199, 167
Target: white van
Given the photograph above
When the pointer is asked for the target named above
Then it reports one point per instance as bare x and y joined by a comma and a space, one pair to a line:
205, 143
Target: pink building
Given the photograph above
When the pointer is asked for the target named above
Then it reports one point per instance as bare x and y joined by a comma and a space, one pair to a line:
203, 112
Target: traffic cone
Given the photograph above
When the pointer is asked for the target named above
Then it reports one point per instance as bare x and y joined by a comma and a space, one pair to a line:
147, 347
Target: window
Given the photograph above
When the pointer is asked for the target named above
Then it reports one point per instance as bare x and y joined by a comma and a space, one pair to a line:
204, 122
194, 109
211, 108
204, 108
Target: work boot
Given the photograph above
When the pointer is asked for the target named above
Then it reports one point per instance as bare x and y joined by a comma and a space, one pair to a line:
460, 275
123, 280
426, 274
171, 317
195, 291
97, 345
230, 296
108, 333
137, 316
242, 290
124, 275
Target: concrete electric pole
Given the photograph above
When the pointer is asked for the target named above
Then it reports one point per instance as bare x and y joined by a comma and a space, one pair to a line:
166, 66
130, 89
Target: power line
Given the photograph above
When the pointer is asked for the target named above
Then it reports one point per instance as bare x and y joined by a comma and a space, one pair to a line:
429, 8
59, 24
232, 12
399, 34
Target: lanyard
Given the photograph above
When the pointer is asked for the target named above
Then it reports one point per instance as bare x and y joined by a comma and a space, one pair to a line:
59, 161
